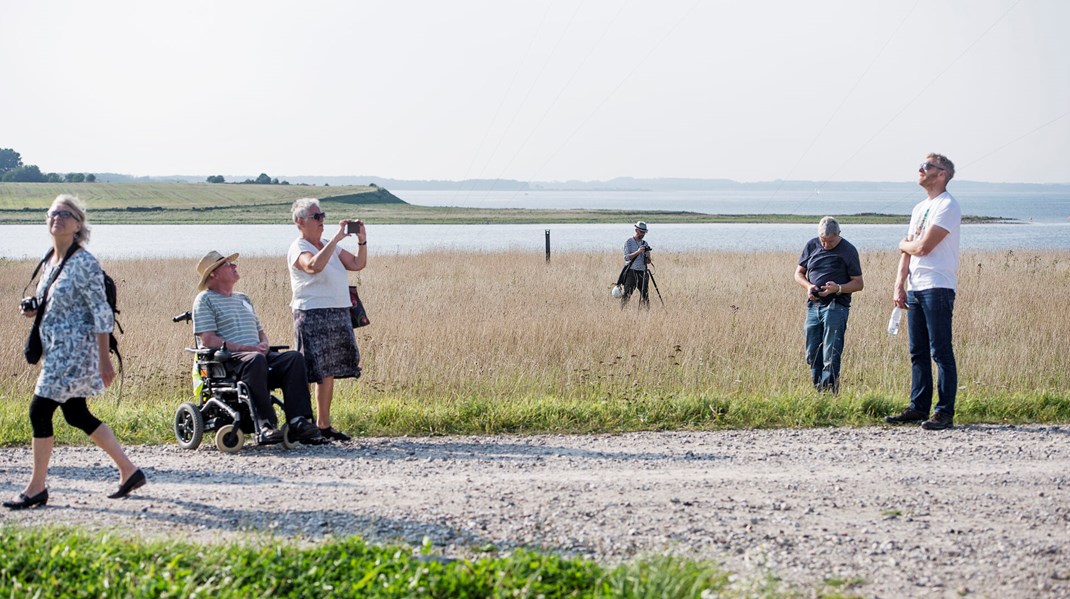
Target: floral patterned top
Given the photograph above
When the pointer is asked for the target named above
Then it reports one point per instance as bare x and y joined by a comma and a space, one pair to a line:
77, 311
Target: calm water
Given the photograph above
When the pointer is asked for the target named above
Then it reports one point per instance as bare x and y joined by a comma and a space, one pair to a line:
193, 241
1043, 214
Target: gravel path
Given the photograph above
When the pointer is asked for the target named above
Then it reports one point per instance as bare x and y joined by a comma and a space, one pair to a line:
978, 510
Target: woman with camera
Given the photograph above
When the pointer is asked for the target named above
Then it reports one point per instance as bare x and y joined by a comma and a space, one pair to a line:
74, 329
319, 279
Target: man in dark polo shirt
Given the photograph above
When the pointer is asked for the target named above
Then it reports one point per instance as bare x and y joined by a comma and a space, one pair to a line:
830, 271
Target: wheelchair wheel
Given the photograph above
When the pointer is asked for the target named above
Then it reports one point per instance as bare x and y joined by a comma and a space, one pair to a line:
229, 439
189, 426
287, 441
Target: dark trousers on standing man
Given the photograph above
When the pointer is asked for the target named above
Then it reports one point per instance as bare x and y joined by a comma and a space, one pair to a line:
929, 314
636, 279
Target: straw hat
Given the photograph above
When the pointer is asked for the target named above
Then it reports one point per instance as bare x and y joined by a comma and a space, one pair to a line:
641, 226
211, 261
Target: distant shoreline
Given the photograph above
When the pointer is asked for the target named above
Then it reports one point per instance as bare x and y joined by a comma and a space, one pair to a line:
199, 203
422, 215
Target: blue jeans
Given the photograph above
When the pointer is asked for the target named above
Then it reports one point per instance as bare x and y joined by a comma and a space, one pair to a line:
929, 315
825, 328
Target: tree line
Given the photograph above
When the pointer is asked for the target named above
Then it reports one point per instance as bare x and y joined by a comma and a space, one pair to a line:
263, 179
14, 171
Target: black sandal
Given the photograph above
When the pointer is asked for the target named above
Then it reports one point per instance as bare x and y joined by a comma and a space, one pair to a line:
331, 433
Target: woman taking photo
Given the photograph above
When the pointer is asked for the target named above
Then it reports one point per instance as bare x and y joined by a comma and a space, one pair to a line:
323, 332
75, 328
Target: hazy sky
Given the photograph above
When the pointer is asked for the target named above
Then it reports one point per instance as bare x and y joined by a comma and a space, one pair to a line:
538, 90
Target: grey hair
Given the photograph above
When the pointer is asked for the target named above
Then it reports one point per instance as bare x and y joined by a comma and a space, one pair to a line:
77, 207
301, 206
943, 162
828, 226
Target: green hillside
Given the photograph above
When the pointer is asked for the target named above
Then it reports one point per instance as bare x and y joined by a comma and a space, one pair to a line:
184, 202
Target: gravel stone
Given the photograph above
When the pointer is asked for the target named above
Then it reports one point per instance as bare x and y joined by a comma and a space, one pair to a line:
881, 511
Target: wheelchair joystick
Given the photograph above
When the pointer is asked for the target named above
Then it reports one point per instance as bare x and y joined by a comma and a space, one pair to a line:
222, 354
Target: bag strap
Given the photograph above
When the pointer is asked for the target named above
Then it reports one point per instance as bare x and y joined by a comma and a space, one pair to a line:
620, 278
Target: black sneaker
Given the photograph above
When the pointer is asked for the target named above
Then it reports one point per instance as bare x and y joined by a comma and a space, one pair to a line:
907, 415
938, 422
269, 436
335, 435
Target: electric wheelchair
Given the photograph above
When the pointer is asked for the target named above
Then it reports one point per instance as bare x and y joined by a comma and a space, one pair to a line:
221, 403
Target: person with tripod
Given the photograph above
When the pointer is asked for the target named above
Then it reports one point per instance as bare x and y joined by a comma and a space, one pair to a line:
636, 274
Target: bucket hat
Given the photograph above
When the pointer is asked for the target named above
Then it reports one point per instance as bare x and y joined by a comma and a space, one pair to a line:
211, 261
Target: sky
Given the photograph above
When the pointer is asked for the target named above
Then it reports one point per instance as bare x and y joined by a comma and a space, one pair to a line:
750, 90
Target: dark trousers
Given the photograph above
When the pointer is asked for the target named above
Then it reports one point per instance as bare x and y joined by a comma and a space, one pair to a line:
285, 371
929, 314
636, 279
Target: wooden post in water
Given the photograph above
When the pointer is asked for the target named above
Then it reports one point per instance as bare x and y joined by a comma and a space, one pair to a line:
547, 246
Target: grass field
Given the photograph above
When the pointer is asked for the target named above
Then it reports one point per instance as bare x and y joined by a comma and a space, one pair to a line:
508, 343
172, 203
62, 563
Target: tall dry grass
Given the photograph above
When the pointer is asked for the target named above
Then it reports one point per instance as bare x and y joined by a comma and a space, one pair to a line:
499, 328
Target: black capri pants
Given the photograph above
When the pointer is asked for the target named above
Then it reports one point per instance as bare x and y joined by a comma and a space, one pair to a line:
75, 411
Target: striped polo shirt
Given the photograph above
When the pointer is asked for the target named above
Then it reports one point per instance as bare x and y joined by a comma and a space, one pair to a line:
232, 317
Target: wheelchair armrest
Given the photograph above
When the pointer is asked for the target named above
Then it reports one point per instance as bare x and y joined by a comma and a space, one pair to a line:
279, 347
201, 352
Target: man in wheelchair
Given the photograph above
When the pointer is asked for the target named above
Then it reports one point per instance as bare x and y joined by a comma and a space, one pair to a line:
224, 318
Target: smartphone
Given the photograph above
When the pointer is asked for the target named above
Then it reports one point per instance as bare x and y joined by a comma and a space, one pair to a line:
352, 227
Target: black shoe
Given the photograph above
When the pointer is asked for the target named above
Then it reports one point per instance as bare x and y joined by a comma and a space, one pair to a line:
907, 415
27, 502
269, 436
136, 481
331, 433
938, 422
304, 431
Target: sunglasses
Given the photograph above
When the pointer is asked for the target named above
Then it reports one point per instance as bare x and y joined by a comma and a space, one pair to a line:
318, 216
924, 166
64, 214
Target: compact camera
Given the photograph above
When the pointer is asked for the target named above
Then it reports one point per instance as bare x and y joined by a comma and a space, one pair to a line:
352, 227
28, 304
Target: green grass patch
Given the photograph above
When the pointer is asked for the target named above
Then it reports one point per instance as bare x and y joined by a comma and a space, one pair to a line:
148, 420
69, 563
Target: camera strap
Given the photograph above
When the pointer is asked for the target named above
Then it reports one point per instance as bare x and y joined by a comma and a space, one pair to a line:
55, 275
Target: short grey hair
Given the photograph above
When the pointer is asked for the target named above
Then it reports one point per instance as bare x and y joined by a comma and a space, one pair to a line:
828, 226
301, 207
943, 162
77, 207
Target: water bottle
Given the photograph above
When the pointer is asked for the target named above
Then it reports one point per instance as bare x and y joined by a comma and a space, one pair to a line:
893, 322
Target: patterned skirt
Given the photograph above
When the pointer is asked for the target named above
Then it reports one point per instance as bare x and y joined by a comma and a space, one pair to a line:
325, 337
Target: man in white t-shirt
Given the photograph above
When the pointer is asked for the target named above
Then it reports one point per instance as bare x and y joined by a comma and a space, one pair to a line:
925, 285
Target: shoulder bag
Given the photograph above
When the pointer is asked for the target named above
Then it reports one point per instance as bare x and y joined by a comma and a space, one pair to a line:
358, 316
